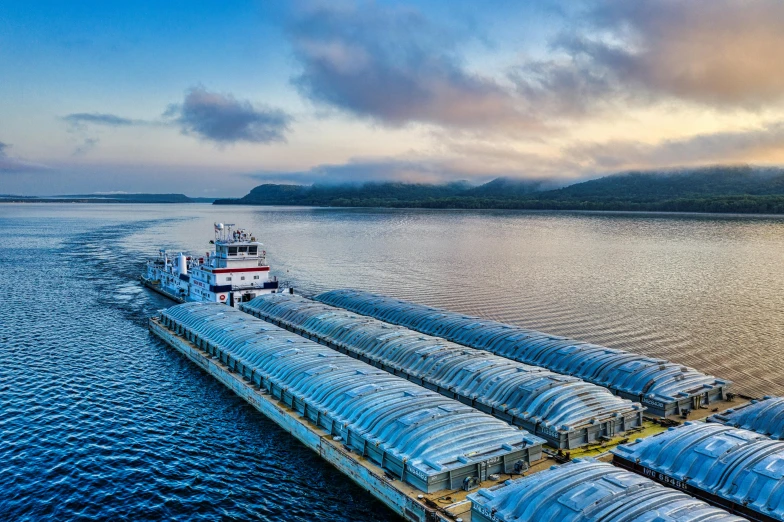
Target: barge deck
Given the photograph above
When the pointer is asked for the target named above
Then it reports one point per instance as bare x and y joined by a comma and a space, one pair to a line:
405, 500
565, 411
663, 387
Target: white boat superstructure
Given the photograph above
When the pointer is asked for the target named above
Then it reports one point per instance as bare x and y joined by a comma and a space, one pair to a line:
235, 272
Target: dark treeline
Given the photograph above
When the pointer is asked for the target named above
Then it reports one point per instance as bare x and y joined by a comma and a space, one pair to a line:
106, 198
715, 189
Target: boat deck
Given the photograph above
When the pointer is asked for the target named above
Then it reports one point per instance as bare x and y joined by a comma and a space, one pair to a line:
156, 287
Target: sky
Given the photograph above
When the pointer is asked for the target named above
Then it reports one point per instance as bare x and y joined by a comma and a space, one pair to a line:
211, 98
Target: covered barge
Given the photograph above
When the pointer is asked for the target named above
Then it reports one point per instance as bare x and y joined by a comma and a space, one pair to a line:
588, 490
405, 444
665, 388
738, 470
565, 411
765, 416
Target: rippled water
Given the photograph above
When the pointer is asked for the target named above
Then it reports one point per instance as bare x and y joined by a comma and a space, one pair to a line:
99, 420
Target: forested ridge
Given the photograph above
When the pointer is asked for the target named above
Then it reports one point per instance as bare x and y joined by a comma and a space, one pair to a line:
741, 189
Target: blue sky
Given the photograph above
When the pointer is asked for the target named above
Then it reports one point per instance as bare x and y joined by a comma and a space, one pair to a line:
212, 98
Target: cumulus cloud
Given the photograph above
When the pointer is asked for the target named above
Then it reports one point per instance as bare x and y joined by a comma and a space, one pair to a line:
395, 67
720, 53
224, 119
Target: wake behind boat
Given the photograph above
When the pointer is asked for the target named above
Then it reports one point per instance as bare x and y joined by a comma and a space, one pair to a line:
236, 271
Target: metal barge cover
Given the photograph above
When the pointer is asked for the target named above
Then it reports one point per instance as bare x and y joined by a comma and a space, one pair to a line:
565, 411
415, 435
764, 416
738, 470
665, 388
588, 490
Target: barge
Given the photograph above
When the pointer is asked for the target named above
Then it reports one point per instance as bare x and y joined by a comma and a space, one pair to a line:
565, 411
589, 490
663, 387
432, 426
408, 446
738, 470
765, 416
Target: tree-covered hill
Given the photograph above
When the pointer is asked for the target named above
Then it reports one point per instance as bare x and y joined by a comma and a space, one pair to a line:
714, 189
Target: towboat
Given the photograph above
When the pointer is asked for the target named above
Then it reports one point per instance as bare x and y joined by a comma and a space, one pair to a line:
236, 271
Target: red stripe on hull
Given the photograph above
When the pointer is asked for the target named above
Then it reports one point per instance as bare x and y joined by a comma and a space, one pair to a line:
229, 270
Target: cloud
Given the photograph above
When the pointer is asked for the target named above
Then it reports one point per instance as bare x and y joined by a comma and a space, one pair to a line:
86, 146
720, 53
465, 160
81, 124
395, 67
111, 120
224, 119
10, 164
482, 161
363, 170
750, 145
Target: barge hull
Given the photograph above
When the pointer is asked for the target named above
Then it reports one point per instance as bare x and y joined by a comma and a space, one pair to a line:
156, 287
399, 497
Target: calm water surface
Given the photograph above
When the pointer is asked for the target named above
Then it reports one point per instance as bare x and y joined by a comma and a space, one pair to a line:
99, 420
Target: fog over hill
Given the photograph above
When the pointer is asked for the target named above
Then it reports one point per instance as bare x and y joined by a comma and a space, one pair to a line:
742, 189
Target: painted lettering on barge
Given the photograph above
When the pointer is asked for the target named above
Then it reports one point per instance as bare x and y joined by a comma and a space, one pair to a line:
486, 512
664, 479
652, 402
548, 431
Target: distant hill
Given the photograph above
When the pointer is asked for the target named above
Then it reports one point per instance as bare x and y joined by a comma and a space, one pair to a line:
133, 198
107, 198
511, 188
741, 189
369, 194
659, 186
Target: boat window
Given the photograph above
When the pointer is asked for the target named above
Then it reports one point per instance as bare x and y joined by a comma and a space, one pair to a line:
232, 251
242, 278
243, 250
228, 279
255, 277
253, 250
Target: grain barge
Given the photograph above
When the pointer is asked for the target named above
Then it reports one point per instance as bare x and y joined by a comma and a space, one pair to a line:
738, 470
565, 411
407, 445
425, 420
765, 416
665, 388
583, 490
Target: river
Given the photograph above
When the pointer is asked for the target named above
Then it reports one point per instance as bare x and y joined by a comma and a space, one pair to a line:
100, 420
